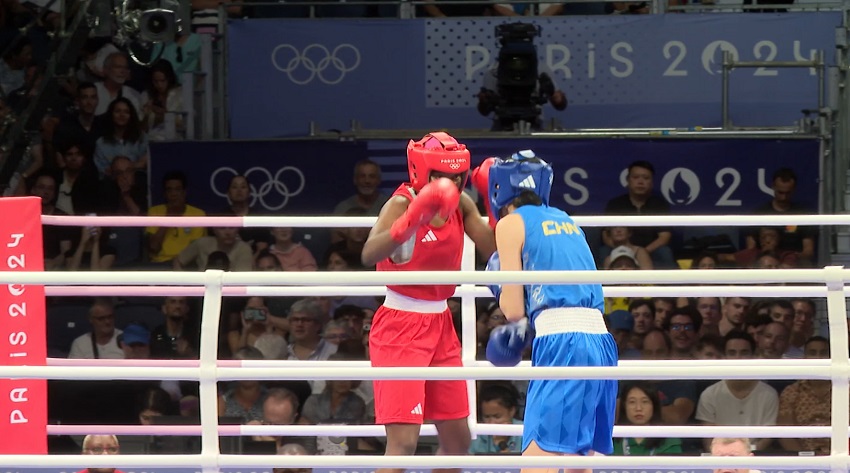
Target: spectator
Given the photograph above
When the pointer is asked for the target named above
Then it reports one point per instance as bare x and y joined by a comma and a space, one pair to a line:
683, 327
731, 447
293, 256
164, 243
93, 251
122, 136
123, 190
153, 402
83, 125
351, 317
663, 307
795, 238
244, 398
336, 332
292, 449
175, 338
367, 181
767, 242
77, 193
184, 53
709, 311
643, 313
497, 404
162, 104
100, 445
249, 323
732, 314
135, 342
56, 241
305, 324
709, 347
705, 260
622, 257
639, 199
337, 403
116, 72
620, 324
217, 260
205, 15
239, 200
774, 341
281, 407
621, 237
640, 405
802, 327
13, 65
353, 238
755, 323
678, 397
739, 401
102, 341
781, 310
808, 402
224, 239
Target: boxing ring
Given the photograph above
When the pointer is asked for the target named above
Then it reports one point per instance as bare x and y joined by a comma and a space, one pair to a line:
829, 283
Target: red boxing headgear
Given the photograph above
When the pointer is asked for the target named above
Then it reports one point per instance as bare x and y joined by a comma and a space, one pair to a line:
439, 152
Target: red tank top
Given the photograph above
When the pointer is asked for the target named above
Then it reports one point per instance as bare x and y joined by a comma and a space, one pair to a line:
434, 249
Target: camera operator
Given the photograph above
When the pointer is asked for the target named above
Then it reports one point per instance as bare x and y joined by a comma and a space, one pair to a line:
517, 91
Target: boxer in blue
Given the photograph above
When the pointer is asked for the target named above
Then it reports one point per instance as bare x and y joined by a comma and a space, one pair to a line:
564, 416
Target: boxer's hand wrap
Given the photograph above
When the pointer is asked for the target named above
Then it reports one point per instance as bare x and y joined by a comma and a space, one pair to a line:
437, 197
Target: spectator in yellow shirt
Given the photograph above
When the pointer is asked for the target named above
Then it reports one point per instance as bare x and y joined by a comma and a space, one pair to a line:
164, 243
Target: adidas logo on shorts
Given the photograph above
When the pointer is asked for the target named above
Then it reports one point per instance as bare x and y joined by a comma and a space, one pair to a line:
528, 183
429, 237
417, 410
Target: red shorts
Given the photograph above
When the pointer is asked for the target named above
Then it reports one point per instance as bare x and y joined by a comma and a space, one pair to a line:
402, 338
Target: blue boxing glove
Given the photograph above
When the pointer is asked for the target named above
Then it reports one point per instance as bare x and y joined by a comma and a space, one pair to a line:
507, 342
493, 264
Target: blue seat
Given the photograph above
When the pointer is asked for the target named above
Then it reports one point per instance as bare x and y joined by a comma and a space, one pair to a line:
64, 324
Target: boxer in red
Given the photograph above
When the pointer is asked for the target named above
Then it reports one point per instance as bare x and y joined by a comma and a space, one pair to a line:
421, 228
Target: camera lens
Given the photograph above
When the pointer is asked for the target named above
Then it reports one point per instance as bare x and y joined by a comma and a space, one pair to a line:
157, 24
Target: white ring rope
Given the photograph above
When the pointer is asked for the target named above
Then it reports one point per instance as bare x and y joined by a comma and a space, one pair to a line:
360, 278
342, 222
640, 463
828, 282
461, 291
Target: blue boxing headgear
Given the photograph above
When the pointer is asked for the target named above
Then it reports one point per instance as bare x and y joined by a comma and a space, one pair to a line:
523, 171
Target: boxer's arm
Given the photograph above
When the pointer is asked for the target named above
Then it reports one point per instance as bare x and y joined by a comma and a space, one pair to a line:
474, 226
380, 245
510, 238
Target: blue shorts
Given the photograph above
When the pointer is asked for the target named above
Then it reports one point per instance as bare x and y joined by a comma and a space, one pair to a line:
572, 416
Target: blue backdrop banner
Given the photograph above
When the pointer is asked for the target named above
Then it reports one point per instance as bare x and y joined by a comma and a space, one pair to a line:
617, 71
310, 177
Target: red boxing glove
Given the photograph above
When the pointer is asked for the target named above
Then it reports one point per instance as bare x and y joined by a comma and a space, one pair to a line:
481, 182
438, 197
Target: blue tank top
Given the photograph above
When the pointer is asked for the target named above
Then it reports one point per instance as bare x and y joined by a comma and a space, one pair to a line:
553, 242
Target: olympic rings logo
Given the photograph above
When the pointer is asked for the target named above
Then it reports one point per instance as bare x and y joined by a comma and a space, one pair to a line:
270, 182
303, 66
454, 166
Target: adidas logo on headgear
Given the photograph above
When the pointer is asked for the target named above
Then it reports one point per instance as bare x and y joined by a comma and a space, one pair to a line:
528, 183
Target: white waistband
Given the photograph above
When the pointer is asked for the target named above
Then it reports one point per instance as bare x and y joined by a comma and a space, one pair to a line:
397, 301
573, 319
